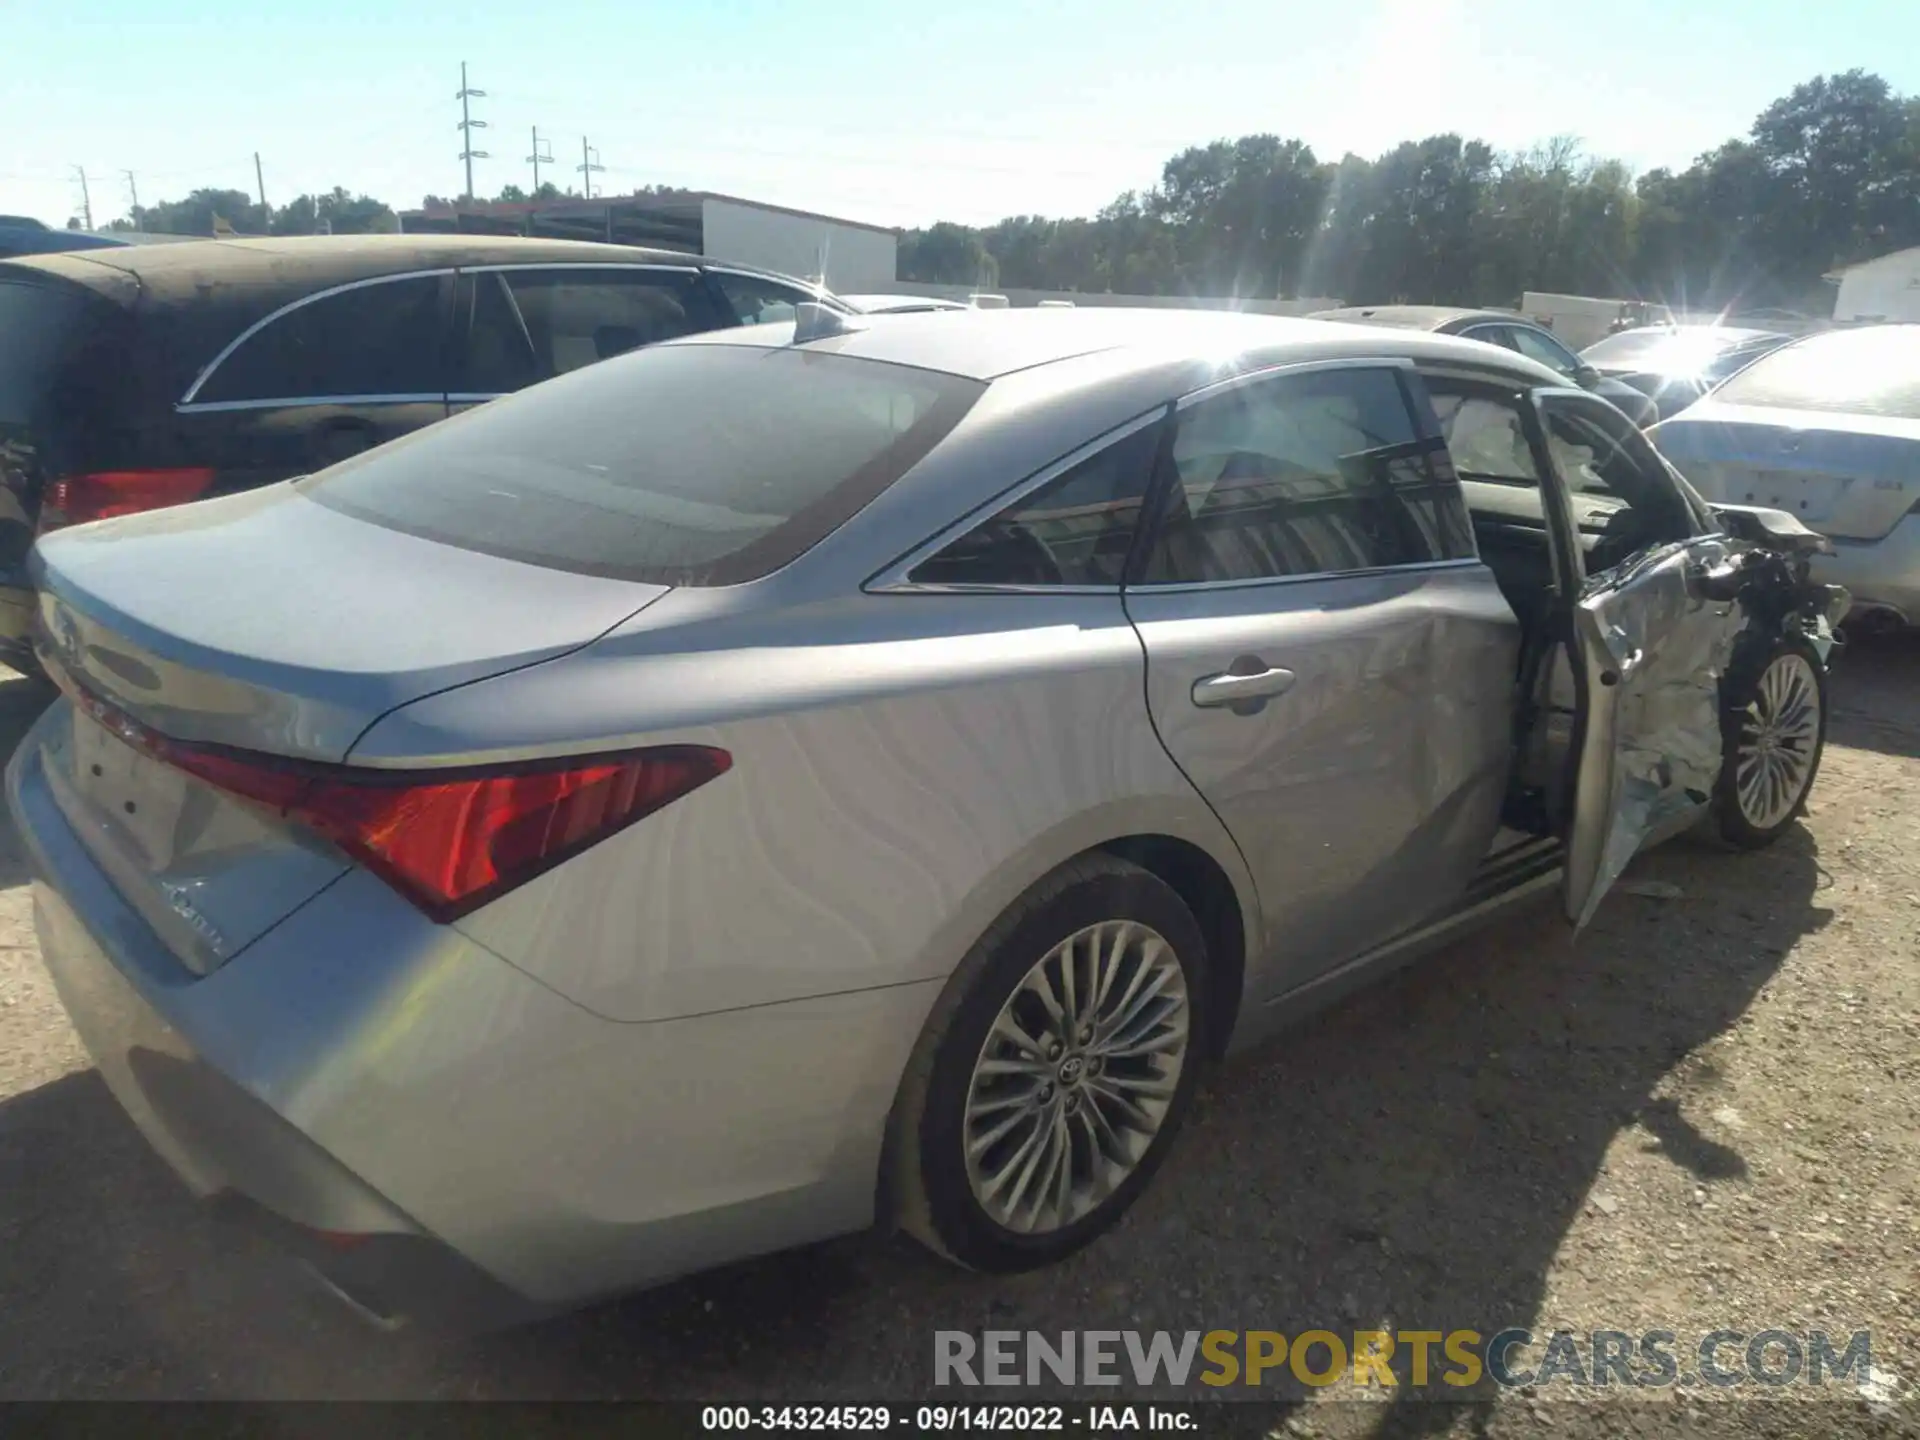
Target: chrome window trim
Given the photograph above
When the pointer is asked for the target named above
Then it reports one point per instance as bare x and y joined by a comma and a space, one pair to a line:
207, 371
292, 402
1182, 587
892, 580
1401, 363
475, 397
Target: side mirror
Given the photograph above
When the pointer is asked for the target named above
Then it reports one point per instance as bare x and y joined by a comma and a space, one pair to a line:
1585, 376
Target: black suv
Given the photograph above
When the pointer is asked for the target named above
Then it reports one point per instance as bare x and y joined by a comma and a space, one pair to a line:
145, 376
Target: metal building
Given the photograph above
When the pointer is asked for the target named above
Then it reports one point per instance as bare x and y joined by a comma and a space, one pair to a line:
845, 254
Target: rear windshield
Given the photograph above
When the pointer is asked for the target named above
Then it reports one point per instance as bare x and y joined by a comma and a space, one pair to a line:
1872, 371
678, 465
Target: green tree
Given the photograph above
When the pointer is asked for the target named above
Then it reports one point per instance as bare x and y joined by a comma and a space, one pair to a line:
946, 254
195, 214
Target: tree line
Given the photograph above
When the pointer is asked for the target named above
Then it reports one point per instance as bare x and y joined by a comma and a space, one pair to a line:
1827, 175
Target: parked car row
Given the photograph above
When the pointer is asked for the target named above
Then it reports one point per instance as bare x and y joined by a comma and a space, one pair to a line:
815, 771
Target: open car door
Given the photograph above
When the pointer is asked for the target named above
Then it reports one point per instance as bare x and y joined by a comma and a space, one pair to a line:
1649, 625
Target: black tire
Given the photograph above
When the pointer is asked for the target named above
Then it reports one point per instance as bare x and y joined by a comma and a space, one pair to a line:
933, 1196
1744, 677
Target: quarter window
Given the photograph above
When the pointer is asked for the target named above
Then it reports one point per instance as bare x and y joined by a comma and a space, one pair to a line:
758, 301
1306, 474
577, 317
1077, 529
381, 339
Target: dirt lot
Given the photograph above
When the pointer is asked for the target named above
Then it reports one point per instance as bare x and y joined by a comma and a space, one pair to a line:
1698, 1117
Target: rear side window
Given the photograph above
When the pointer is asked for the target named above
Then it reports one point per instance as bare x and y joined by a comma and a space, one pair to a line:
1306, 474
39, 326
380, 340
758, 301
1872, 371
579, 317
1076, 529
681, 465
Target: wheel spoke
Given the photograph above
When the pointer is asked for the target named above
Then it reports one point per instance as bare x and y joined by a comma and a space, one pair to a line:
1778, 740
1039, 1165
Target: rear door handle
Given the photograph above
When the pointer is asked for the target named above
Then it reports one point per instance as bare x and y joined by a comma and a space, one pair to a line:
1242, 684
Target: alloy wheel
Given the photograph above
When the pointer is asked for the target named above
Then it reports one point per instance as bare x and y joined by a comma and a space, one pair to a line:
1779, 741
1076, 1076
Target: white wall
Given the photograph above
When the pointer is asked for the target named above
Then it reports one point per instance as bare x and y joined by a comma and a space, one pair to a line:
1020, 299
1883, 289
857, 259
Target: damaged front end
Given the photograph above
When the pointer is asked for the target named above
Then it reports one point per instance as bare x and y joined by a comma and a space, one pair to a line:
1779, 593
1659, 641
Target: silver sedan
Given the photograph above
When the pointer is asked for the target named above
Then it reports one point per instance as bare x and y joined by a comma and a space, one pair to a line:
825, 772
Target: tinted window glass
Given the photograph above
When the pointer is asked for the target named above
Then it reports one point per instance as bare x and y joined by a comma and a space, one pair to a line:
1306, 474
499, 353
1075, 530
1548, 351
381, 339
682, 465
1873, 371
757, 301
578, 317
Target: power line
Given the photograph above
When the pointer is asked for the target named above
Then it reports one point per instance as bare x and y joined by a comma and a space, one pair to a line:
589, 163
536, 159
468, 125
86, 199
133, 190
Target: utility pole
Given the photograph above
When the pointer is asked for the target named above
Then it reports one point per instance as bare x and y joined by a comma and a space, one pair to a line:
588, 164
260, 184
467, 126
536, 159
133, 190
86, 199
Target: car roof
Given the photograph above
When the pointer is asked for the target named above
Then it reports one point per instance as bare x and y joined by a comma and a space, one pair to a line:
1733, 335
1417, 317
296, 264
878, 302
988, 344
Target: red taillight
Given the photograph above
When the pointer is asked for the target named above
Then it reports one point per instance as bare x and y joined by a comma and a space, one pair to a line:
76, 499
453, 840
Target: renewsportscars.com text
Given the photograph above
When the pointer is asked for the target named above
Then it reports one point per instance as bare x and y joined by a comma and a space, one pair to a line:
1447, 1359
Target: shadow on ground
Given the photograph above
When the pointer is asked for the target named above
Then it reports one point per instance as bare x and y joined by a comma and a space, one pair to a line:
1874, 695
1412, 1159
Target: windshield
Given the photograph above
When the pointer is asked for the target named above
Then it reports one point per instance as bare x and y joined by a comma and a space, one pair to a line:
1870, 371
679, 465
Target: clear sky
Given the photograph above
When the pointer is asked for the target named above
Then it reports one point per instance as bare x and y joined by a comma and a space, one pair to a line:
884, 110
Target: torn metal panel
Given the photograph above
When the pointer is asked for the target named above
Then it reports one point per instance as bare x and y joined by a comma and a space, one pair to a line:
1655, 654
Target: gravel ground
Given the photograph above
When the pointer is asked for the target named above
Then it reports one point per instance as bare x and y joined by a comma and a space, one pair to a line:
1698, 1117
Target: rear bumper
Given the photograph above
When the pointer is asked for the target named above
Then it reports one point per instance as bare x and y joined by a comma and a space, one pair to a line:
1881, 574
489, 1149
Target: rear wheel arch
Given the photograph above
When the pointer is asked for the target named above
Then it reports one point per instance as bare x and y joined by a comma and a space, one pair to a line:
1209, 893
1203, 885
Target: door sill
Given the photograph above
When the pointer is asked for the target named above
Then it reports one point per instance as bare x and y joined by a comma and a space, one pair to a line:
1509, 876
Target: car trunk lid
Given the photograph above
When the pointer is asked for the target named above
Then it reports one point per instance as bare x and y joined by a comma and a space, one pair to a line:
1852, 478
271, 624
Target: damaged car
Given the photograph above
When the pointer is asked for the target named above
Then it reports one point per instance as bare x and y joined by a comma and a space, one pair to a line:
826, 772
